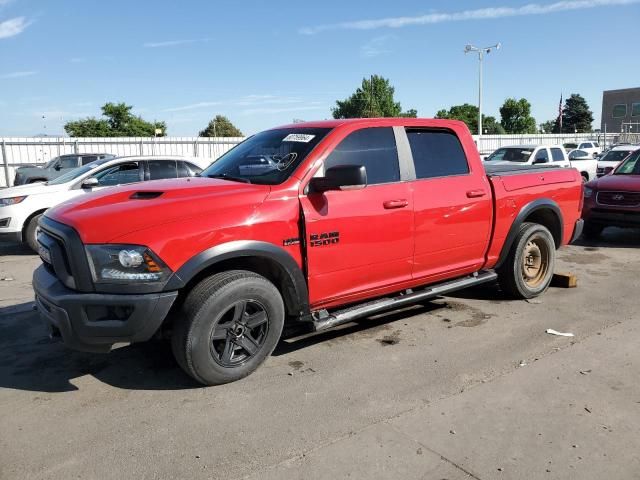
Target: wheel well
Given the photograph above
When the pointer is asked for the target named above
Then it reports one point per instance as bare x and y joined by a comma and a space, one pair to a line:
268, 268
547, 218
28, 220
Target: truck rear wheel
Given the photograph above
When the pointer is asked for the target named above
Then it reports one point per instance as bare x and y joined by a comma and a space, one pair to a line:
528, 270
229, 324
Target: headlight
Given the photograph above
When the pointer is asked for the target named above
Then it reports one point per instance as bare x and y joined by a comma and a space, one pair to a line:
5, 202
588, 192
125, 264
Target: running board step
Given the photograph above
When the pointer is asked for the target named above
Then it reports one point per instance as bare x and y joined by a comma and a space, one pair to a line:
347, 315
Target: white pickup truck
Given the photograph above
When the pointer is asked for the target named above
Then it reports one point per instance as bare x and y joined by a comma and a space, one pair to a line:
553, 155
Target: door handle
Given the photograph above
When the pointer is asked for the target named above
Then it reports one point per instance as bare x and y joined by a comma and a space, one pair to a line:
476, 193
390, 204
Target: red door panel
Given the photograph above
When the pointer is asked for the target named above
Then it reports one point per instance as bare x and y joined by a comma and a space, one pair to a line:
374, 248
452, 224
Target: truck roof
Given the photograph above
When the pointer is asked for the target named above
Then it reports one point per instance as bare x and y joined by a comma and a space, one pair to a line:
380, 121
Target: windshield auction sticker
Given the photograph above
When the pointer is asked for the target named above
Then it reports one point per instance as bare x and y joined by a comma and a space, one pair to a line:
298, 137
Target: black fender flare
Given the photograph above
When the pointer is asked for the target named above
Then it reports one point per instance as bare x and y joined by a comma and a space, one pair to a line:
526, 211
297, 292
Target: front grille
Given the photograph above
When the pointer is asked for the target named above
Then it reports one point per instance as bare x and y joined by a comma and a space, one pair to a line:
619, 199
62, 252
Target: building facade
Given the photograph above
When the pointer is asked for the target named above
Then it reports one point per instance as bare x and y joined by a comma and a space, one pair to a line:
621, 106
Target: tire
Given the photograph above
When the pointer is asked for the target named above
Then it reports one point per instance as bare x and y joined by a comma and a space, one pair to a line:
31, 232
592, 231
528, 269
228, 325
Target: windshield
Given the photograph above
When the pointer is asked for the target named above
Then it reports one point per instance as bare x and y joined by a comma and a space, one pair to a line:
631, 166
50, 163
511, 154
77, 172
615, 155
268, 157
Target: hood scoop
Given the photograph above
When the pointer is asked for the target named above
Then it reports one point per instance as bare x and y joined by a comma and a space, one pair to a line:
145, 195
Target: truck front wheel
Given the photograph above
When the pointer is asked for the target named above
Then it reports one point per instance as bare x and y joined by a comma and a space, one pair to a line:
229, 324
528, 269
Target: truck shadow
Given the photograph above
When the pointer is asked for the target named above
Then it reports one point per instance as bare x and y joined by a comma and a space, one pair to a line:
15, 249
614, 238
30, 361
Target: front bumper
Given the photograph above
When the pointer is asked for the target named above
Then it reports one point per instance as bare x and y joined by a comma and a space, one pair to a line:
94, 322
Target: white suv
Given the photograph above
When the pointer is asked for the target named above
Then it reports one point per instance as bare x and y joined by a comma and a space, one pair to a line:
21, 207
613, 157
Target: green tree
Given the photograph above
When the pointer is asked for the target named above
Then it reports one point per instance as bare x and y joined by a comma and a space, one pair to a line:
119, 122
516, 116
576, 115
550, 126
220, 126
491, 126
374, 98
468, 114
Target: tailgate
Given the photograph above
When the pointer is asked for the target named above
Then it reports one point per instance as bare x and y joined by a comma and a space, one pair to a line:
518, 181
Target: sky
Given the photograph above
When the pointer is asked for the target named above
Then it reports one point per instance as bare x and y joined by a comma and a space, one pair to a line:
266, 63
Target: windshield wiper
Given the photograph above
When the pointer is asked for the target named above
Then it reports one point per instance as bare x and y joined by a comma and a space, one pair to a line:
226, 176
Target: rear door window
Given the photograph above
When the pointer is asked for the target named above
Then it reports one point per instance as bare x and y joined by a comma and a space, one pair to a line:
557, 155
161, 169
542, 156
436, 153
119, 174
374, 148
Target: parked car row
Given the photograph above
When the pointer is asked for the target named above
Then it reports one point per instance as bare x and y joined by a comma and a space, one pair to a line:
22, 206
56, 167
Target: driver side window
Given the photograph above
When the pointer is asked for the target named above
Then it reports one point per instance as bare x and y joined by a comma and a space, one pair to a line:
542, 156
374, 148
119, 175
68, 162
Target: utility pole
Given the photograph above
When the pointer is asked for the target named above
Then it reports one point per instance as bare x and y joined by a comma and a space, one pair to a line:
481, 53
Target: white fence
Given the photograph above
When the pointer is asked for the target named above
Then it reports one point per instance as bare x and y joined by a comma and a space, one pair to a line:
489, 143
15, 152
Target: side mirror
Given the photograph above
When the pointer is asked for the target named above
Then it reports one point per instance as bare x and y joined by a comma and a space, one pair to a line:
340, 177
57, 166
90, 182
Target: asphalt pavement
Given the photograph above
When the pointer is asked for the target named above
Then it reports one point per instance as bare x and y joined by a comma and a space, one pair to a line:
466, 386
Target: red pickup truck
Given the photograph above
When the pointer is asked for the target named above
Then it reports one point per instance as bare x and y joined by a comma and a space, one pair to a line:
312, 224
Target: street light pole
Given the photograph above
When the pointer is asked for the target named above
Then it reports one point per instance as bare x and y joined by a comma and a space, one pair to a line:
481, 53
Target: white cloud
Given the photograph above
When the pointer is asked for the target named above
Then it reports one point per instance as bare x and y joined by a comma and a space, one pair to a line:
174, 43
192, 106
466, 15
376, 46
17, 74
13, 27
